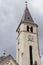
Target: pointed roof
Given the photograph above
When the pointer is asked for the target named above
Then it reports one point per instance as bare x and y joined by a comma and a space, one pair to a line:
3, 58
27, 16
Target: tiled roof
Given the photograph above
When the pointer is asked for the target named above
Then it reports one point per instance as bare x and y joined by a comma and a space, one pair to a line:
27, 16
3, 58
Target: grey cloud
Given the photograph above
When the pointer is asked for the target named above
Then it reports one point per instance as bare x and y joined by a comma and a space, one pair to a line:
11, 12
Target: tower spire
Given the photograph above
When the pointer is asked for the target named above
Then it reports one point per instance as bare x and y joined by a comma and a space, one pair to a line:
27, 16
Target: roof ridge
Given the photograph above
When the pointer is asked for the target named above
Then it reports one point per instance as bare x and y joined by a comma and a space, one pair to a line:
9, 56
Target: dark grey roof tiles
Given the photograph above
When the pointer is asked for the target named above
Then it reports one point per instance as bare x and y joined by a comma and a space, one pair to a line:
27, 16
2, 58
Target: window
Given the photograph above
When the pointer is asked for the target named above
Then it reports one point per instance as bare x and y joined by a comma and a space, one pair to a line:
28, 28
28, 17
31, 58
18, 54
21, 54
31, 29
35, 63
18, 42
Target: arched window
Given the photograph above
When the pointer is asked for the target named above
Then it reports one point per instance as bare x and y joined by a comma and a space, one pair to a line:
28, 28
31, 58
31, 29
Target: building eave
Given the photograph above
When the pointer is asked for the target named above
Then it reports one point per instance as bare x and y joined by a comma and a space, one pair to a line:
25, 23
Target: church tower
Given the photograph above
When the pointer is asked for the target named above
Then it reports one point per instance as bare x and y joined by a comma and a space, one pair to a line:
27, 47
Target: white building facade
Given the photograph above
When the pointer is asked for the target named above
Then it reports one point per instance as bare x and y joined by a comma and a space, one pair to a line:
27, 49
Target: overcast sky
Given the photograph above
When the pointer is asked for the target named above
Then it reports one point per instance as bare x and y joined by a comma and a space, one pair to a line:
11, 12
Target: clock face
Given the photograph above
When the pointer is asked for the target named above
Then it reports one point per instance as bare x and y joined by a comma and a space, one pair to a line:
30, 37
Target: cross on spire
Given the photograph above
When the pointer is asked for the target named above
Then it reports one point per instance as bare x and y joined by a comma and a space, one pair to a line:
4, 53
26, 3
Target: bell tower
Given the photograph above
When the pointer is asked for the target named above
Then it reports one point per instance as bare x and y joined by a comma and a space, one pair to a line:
27, 47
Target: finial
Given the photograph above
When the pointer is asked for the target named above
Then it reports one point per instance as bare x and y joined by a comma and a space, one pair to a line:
4, 53
26, 3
